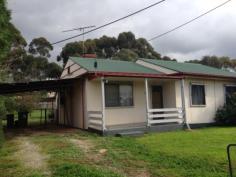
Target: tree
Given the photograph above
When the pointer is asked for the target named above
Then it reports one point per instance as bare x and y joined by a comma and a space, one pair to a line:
111, 47
126, 40
40, 46
71, 49
106, 47
10, 37
126, 55
23, 66
53, 70
217, 62
145, 50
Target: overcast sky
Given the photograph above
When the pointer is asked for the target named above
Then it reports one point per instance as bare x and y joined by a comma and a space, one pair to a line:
214, 34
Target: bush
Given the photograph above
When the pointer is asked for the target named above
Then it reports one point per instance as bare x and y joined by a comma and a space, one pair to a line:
1, 133
2, 114
226, 115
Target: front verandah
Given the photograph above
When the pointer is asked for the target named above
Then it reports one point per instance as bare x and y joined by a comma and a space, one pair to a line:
159, 102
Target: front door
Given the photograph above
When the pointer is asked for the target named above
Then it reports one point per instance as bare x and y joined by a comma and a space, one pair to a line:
157, 97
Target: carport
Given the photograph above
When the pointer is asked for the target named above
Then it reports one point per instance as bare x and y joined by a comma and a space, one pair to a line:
58, 86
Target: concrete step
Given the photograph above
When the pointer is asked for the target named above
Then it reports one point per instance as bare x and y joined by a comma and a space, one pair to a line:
166, 128
130, 133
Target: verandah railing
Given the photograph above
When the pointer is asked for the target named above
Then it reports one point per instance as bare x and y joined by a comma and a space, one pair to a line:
95, 120
165, 115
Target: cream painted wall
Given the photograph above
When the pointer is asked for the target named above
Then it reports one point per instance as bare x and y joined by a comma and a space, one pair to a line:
118, 115
71, 112
93, 95
169, 92
77, 114
137, 114
129, 115
214, 95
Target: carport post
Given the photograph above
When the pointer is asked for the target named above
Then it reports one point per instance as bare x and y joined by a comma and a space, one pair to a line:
147, 101
103, 104
59, 106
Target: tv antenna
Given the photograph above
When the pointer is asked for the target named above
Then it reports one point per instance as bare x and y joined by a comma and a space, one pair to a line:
80, 29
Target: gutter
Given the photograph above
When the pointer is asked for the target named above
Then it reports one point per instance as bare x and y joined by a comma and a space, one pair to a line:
93, 75
182, 74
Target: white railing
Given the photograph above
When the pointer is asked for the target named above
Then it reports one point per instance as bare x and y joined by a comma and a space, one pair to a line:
165, 115
95, 120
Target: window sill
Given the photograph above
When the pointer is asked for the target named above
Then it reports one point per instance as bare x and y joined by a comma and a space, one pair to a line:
120, 107
198, 106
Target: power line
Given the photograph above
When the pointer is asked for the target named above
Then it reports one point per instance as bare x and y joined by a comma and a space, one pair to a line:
80, 28
186, 23
107, 24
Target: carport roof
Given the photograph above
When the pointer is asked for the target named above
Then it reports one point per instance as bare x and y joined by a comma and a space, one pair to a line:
47, 85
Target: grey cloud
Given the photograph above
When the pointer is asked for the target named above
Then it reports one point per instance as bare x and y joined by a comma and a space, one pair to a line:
213, 34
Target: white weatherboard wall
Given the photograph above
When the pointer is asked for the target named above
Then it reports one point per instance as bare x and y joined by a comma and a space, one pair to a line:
214, 95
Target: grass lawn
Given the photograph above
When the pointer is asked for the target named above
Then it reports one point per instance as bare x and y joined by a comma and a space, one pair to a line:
72, 153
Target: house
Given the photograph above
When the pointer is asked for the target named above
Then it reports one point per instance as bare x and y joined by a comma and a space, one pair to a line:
113, 96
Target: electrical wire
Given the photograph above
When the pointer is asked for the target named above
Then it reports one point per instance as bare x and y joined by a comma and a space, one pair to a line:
186, 23
107, 24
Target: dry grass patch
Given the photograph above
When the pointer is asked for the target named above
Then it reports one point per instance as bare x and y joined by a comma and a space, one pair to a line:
88, 148
29, 154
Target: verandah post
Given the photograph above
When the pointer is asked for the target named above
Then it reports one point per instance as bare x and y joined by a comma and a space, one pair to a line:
147, 101
183, 103
103, 104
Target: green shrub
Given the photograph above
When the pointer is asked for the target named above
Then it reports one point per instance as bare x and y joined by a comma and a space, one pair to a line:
2, 114
226, 115
1, 133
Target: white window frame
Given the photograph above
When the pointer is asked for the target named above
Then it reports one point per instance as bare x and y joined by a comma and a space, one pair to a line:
121, 83
190, 94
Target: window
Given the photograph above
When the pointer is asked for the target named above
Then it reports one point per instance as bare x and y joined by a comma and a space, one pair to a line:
229, 92
198, 95
118, 94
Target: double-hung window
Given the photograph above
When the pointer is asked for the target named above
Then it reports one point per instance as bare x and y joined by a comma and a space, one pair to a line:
118, 94
198, 95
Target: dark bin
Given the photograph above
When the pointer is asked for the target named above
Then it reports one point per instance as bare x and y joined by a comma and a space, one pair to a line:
22, 119
10, 120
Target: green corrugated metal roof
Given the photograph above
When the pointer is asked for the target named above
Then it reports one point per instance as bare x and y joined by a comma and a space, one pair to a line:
190, 68
107, 65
